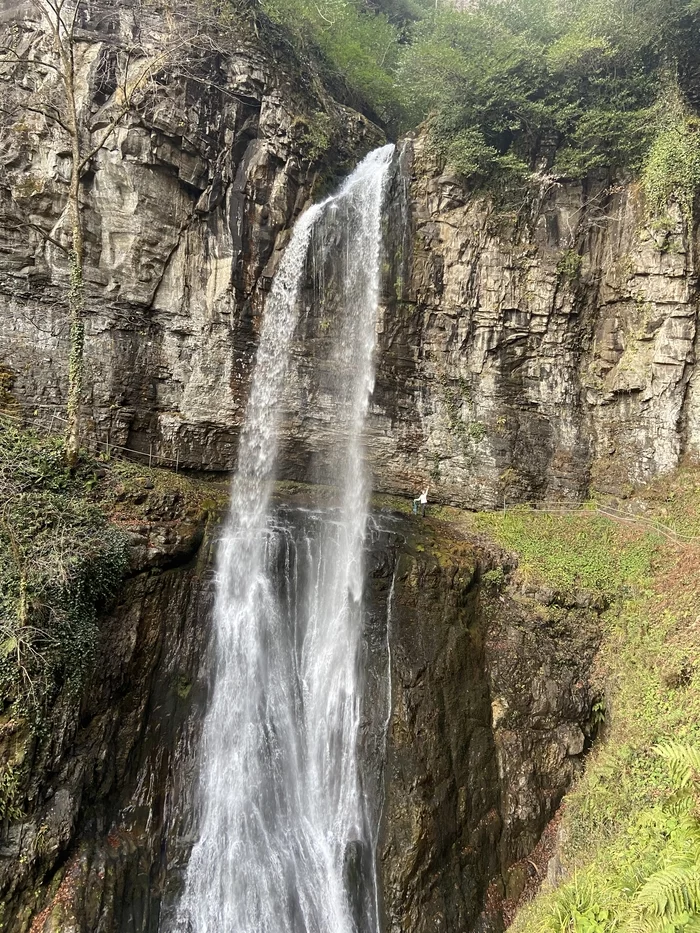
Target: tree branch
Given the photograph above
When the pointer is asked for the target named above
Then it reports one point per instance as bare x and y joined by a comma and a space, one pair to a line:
103, 139
55, 117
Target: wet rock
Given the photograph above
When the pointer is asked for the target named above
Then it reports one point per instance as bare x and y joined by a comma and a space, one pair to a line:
488, 713
491, 708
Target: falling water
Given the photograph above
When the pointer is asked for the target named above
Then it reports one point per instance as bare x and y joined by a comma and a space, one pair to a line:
285, 832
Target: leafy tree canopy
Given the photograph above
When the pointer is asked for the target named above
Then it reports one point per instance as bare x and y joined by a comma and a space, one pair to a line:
512, 87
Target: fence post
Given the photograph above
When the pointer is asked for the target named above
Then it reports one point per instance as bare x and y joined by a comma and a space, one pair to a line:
150, 453
177, 460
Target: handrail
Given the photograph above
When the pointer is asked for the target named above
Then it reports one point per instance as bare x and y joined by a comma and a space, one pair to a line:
614, 514
107, 446
562, 507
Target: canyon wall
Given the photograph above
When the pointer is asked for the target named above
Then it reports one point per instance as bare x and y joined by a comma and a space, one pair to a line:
525, 352
474, 768
528, 350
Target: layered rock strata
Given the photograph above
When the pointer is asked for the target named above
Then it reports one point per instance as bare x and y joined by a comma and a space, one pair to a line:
187, 206
526, 352
535, 350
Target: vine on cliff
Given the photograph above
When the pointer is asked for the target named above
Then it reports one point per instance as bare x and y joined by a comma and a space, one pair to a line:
672, 169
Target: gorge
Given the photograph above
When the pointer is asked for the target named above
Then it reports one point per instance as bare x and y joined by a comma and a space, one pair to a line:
302, 708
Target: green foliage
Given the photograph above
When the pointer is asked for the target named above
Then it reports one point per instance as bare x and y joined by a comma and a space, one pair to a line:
576, 552
494, 578
684, 764
9, 791
516, 91
60, 561
356, 43
317, 134
578, 909
630, 829
477, 431
569, 266
536, 85
651, 886
672, 168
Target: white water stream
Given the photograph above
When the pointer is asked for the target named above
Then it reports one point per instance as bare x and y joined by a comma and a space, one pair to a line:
285, 827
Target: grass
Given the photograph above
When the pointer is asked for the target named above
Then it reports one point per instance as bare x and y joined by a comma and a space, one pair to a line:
619, 825
574, 552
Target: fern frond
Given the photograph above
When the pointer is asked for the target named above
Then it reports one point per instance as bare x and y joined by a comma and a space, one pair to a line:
641, 925
673, 890
683, 760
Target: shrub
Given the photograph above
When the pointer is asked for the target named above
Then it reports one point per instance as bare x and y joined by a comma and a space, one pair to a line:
672, 169
60, 559
511, 88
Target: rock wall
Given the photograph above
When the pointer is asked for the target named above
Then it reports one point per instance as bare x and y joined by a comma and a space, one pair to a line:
536, 351
473, 769
491, 715
107, 778
186, 206
527, 352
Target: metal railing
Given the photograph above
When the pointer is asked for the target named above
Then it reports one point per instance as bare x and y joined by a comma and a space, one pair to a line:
607, 511
57, 424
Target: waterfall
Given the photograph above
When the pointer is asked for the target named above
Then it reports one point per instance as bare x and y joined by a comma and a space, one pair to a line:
285, 834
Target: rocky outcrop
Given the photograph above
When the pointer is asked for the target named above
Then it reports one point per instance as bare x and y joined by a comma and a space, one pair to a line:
187, 206
491, 715
105, 775
474, 764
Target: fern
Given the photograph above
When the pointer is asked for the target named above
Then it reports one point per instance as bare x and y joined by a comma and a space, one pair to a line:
672, 891
684, 762
669, 901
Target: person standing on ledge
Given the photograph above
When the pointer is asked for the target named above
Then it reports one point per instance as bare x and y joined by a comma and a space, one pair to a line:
422, 500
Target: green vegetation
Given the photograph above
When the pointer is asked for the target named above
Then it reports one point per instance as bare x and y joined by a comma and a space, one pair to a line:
353, 42
569, 266
516, 92
60, 561
630, 839
566, 89
574, 552
672, 169
63, 553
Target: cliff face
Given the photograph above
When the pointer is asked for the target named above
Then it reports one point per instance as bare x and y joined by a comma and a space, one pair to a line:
473, 768
535, 353
105, 779
529, 353
186, 207
491, 714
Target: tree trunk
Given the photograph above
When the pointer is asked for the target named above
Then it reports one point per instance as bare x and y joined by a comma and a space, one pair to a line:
76, 359
76, 297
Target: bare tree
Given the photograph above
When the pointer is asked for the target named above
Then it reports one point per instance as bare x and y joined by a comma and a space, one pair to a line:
135, 71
